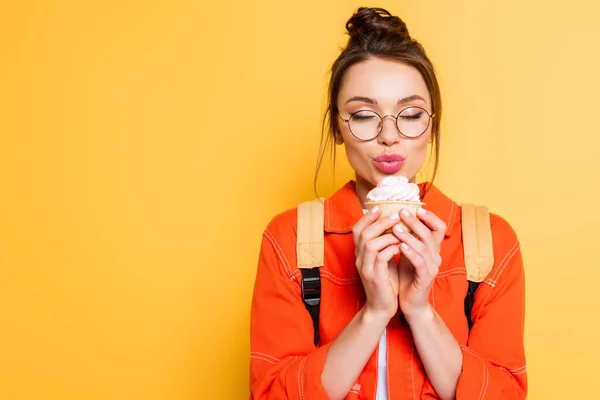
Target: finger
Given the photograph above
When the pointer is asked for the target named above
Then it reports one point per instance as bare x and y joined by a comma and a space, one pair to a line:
382, 261
371, 249
365, 221
432, 260
423, 272
419, 229
432, 256
435, 223
377, 228
415, 244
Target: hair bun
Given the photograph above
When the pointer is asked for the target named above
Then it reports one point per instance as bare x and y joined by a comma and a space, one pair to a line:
368, 21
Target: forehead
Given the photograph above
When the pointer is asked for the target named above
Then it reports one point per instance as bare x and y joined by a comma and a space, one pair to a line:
382, 80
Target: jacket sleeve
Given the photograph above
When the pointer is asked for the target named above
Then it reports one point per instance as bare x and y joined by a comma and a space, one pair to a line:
494, 358
284, 363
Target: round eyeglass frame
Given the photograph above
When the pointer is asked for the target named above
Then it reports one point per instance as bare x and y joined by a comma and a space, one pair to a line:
347, 121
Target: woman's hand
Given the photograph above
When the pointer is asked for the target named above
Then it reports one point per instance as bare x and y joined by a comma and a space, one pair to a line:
420, 262
375, 251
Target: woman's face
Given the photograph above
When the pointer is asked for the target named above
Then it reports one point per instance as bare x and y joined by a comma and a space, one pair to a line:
386, 87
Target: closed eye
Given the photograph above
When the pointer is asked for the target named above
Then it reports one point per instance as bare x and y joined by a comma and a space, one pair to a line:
363, 117
412, 117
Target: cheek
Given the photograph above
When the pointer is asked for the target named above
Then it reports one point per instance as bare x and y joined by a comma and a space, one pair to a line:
356, 152
419, 149
418, 153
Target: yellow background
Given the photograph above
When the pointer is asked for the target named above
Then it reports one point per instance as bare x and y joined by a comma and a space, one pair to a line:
145, 145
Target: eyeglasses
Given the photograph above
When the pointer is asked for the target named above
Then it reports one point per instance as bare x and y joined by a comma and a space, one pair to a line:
411, 123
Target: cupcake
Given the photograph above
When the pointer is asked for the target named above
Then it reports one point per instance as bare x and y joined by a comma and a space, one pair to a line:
393, 194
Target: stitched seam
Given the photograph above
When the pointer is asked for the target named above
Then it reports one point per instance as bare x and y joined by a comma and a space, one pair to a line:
340, 230
453, 271
339, 281
342, 284
495, 274
484, 380
264, 359
334, 277
501, 269
482, 384
265, 355
504, 263
489, 282
487, 380
300, 380
308, 248
507, 258
451, 215
280, 253
519, 373
501, 262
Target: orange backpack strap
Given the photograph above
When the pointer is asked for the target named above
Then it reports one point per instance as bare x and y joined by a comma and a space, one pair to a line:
310, 256
477, 241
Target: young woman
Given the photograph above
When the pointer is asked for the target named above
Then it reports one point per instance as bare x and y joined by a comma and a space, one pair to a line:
392, 319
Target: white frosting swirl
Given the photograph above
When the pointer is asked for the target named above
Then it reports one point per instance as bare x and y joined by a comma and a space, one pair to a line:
394, 188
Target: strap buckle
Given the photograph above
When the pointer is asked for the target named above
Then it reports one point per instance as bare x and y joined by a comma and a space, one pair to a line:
311, 295
311, 286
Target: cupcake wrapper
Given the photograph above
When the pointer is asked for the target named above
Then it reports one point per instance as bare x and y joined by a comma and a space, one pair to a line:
390, 207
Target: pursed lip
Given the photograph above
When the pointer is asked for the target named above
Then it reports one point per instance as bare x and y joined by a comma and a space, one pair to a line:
389, 163
389, 158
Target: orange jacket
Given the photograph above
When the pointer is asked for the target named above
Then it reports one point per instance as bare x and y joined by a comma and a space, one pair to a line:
285, 364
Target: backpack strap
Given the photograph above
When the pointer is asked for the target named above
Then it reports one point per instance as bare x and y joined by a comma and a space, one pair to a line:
310, 245
310, 253
478, 248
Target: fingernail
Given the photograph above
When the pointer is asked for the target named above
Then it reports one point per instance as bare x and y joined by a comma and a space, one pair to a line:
399, 228
394, 216
404, 246
405, 212
421, 211
375, 209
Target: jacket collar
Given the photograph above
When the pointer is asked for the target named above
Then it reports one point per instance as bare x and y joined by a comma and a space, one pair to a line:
343, 209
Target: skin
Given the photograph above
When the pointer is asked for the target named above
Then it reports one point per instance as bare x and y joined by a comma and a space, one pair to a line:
387, 87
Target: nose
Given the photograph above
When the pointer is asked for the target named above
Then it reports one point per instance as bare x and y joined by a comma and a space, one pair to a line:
389, 134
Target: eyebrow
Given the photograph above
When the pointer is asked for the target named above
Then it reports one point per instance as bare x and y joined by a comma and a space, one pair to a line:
373, 101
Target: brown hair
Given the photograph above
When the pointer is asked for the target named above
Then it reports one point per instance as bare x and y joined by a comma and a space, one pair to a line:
375, 33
